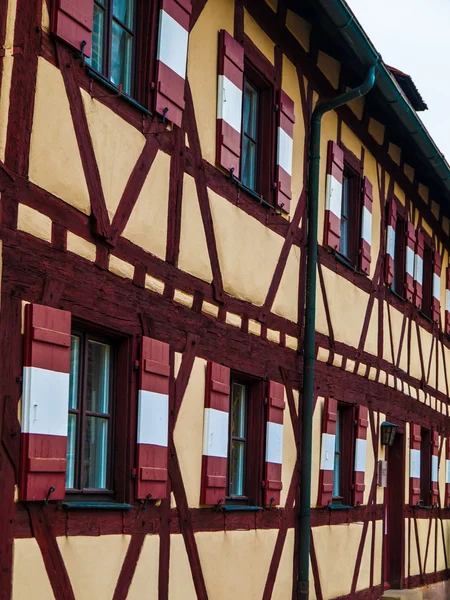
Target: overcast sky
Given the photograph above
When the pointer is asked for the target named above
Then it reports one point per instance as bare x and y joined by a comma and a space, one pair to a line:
413, 36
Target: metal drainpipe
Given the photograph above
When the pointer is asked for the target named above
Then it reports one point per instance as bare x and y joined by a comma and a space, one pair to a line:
304, 524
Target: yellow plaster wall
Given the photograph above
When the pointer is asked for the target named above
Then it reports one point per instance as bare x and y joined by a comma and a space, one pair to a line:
181, 585
393, 326
242, 554
299, 28
193, 256
147, 225
261, 40
190, 419
341, 541
145, 578
30, 579
117, 146
289, 450
33, 222
55, 162
80, 246
202, 68
395, 153
291, 86
351, 141
246, 272
330, 67
376, 130
7, 65
273, 4
348, 305
286, 299
93, 563
283, 581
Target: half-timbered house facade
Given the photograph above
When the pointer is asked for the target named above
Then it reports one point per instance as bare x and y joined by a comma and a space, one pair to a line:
153, 230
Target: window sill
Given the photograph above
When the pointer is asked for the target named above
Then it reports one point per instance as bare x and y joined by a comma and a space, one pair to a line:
401, 298
113, 88
240, 508
241, 186
340, 258
426, 317
339, 507
72, 505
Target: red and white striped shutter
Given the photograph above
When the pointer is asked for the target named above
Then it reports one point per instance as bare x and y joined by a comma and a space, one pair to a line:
434, 468
152, 420
390, 242
72, 22
326, 474
173, 38
414, 464
285, 146
447, 474
229, 102
45, 402
215, 434
437, 268
333, 201
362, 424
274, 443
409, 263
447, 301
418, 269
366, 226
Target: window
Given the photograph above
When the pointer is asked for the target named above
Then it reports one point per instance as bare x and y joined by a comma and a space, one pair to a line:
427, 290
257, 170
113, 41
425, 467
398, 282
343, 455
89, 454
245, 441
350, 215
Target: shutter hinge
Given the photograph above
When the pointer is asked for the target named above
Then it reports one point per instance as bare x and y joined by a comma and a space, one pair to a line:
136, 365
133, 473
263, 484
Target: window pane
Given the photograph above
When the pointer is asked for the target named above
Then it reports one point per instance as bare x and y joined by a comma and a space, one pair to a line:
95, 453
98, 365
123, 11
96, 60
249, 164
74, 371
337, 457
237, 468
71, 446
238, 411
345, 212
250, 110
121, 57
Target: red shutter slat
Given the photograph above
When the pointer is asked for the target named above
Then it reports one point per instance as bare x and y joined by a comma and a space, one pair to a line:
229, 102
410, 258
274, 443
173, 38
447, 301
418, 269
366, 226
414, 467
45, 402
215, 434
333, 205
390, 242
285, 144
153, 419
72, 22
437, 268
434, 468
447, 474
362, 424
326, 473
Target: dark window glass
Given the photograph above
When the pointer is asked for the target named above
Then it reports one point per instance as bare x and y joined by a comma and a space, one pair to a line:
343, 455
238, 442
398, 283
89, 430
250, 136
425, 467
427, 285
350, 216
113, 41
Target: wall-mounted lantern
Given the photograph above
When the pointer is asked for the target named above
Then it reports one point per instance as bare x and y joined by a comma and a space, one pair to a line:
388, 433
